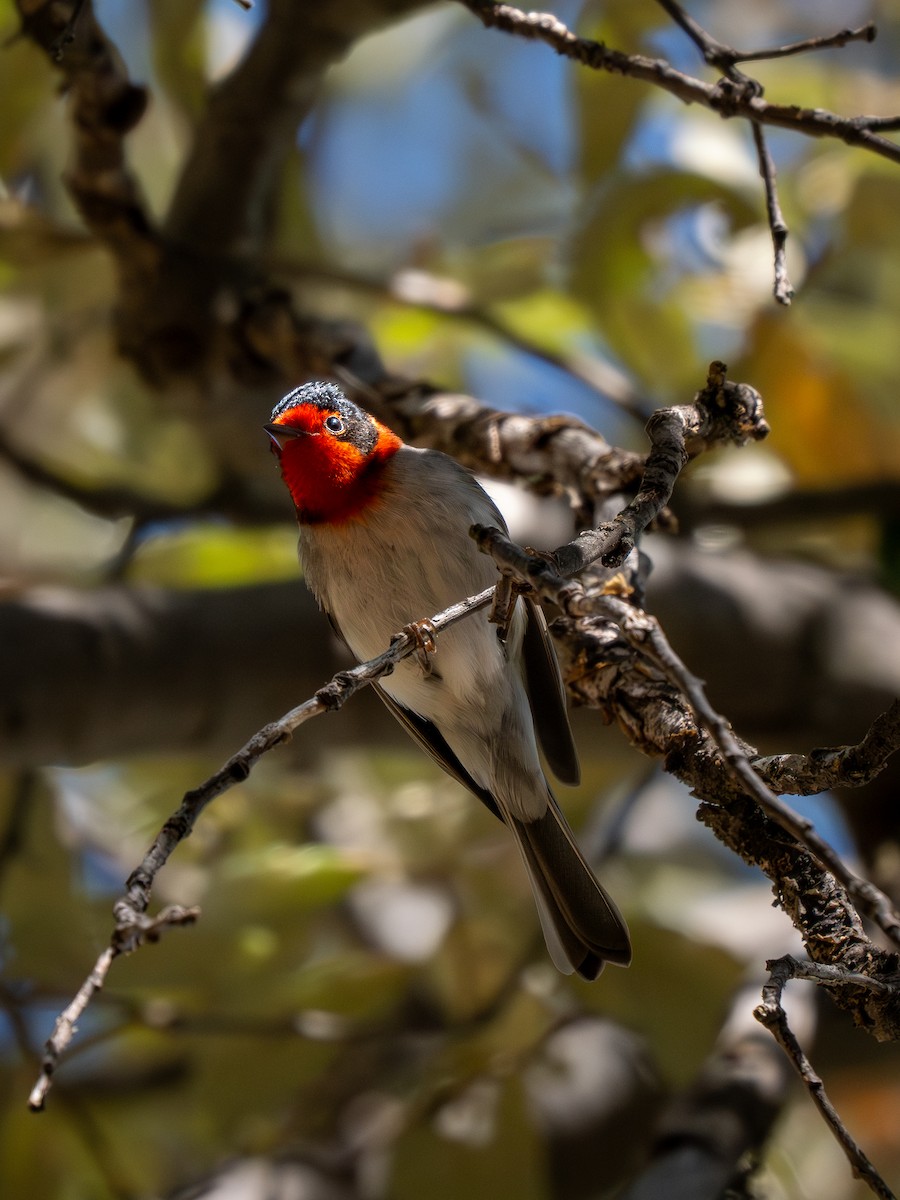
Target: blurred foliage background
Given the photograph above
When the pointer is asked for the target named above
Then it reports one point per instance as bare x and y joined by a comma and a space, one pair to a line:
365, 1006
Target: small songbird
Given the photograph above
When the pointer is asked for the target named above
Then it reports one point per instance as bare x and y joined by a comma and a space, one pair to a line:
384, 543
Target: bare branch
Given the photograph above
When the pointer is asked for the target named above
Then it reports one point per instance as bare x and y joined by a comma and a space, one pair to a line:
725, 59
886, 123
725, 98
558, 455
137, 669
711, 1130
232, 497
193, 297
133, 927
723, 412
846, 766
68, 34
711, 49
863, 33
643, 632
782, 290
771, 1014
706, 421
736, 95
717, 54
647, 634
105, 106
832, 976
252, 118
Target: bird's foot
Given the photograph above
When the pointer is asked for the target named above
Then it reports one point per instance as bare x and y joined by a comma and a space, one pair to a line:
506, 592
424, 635
505, 597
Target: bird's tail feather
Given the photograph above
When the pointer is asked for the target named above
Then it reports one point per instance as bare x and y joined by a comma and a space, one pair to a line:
582, 926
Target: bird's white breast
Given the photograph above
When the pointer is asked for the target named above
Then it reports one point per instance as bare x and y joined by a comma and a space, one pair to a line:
405, 558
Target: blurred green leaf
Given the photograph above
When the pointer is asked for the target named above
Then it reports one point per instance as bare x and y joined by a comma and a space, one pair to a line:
615, 273
216, 556
549, 319
305, 876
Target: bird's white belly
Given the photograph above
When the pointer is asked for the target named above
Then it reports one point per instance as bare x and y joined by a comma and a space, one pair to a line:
402, 586
404, 563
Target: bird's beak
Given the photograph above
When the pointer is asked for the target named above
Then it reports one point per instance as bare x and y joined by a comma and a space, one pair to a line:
282, 433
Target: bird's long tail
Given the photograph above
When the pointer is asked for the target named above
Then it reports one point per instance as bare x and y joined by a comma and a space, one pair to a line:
582, 926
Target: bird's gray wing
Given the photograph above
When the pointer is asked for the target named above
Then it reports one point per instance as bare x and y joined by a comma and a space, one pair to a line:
428, 737
432, 742
547, 696
582, 926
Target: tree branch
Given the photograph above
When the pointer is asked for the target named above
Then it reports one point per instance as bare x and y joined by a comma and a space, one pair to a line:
735, 95
232, 498
133, 927
717, 54
89, 674
555, 455
706, 421
136, 669
104, 106
783, 289
725, 59
844, 766
252, 119
723, 97
722, 413
195, 299
771, 1014
644, 634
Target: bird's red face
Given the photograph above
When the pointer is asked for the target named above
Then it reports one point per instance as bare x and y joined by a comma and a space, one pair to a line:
331, 453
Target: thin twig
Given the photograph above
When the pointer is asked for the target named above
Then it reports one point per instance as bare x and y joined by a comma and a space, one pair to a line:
864, 33
887, 123
771, 1014
725, 59
66, 1024
782, 290
719, 55
728, 102
133, 927
714, 52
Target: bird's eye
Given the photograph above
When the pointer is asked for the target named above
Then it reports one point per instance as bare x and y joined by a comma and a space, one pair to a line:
334, 424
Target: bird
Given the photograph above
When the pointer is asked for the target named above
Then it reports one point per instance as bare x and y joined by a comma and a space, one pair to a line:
384, 544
